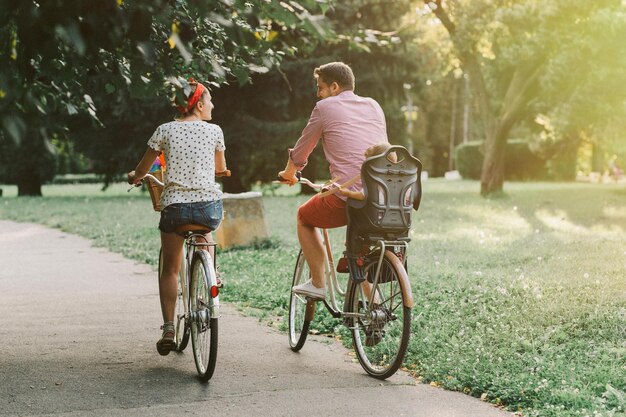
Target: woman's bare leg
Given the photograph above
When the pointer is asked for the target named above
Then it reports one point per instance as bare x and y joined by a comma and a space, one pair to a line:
172, 245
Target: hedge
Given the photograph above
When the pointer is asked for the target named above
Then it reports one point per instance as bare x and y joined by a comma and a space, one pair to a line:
520, 162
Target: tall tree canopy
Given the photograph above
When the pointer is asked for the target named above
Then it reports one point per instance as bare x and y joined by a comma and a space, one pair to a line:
563, 58
62, 58
274, 109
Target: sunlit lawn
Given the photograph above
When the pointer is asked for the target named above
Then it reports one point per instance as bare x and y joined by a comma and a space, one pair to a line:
520, 299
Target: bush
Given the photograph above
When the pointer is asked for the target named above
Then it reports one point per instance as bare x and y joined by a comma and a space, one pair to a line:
562, 166
468, 159
520, 162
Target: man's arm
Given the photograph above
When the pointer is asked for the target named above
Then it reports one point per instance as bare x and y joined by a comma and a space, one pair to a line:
298, 156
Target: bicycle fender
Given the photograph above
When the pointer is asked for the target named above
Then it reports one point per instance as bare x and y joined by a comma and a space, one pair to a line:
405, 285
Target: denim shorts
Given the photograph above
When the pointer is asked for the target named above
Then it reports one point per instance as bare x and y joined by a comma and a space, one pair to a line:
205, 213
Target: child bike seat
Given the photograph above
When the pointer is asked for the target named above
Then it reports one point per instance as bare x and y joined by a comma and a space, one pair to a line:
392, 189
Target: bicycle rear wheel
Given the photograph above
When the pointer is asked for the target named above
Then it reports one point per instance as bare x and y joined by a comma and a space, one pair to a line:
381, 330
301, 311
203, 314
181, 326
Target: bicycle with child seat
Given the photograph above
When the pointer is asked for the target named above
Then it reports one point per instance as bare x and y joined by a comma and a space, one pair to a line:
376, 307
197, 304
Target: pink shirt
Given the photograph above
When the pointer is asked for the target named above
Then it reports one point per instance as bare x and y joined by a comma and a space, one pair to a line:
348, 125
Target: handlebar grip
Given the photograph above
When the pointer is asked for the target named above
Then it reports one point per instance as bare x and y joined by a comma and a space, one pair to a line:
284, 181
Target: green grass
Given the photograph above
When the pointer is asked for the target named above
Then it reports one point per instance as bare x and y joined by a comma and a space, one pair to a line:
519, 299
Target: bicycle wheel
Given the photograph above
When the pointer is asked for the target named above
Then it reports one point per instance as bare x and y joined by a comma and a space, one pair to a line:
301, 311
380, 330
203, 313
182, 305
182, 328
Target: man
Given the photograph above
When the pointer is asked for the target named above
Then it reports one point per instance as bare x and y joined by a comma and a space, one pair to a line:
348, 125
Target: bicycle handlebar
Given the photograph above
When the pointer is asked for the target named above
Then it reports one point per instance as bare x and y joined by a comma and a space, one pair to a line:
301, 180
225, 173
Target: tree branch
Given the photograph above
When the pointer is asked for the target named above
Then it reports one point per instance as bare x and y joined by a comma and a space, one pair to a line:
517, 95
469, 61
442, 16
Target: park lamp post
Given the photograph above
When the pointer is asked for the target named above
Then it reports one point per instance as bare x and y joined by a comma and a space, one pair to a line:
410, 115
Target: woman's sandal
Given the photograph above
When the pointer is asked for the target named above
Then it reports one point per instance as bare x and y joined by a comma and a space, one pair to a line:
167, 342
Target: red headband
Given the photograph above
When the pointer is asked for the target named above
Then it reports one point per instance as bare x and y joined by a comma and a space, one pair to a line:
193, 100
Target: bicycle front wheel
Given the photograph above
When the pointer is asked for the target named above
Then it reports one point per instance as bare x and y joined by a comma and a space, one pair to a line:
380, 328
300, 310
203, 314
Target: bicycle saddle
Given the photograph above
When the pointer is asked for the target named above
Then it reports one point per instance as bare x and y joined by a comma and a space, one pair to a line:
192, 228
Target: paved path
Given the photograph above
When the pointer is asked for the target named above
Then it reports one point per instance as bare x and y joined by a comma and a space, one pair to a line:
79, 326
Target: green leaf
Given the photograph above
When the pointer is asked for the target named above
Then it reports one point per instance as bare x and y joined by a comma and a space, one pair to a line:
71, 109
15, 127
242, 75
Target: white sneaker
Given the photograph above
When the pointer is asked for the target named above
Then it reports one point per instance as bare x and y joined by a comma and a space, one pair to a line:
310, 290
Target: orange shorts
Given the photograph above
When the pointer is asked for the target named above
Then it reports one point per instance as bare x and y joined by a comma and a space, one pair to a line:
324, 212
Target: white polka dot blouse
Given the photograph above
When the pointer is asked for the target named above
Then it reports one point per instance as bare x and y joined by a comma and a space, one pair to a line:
189, 150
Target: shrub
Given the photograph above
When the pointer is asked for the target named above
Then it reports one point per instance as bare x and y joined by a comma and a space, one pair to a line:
520, 162
468, 158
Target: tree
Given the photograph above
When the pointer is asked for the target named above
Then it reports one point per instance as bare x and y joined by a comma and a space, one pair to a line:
274, 108
61, 58
514, 53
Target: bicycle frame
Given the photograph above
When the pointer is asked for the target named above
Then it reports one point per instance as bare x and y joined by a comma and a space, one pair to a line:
190, 247
330, 274
335, 290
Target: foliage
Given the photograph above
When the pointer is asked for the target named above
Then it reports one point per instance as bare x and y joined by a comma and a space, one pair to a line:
30, 163
521, 163
67, 57
274, 109
469, 159
520, 300
535, 58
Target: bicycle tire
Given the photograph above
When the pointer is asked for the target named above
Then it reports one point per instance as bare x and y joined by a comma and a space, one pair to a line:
203, 318
182, 305
298, 305
381, 337
181, 336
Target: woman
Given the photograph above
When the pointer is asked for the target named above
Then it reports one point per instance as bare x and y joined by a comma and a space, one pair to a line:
194, 152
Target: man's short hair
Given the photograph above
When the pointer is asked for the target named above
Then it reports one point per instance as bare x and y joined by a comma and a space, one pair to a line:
336, 72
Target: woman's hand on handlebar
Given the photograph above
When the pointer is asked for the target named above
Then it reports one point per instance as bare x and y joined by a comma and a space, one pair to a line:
133, 179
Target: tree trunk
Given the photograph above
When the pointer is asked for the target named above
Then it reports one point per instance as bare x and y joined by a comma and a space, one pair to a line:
497, 126
29, 186
597, 158
492, 176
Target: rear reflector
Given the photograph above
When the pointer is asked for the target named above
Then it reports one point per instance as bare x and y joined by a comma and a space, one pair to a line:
214, 291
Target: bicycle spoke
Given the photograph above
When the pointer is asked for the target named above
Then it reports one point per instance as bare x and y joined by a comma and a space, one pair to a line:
203, 325
380, 335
